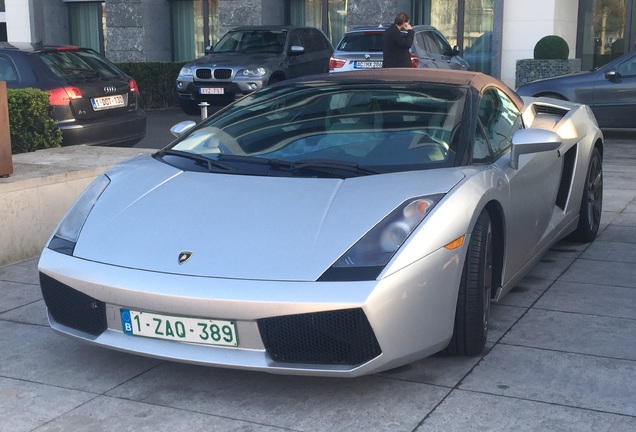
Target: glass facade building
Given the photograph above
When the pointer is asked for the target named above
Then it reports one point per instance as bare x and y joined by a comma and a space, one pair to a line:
489, 33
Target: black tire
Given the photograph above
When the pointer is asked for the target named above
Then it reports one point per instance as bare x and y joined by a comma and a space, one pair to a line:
592, 201
190, 108
473, 301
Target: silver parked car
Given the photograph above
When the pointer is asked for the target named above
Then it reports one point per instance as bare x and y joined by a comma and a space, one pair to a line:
361, 48
335, 225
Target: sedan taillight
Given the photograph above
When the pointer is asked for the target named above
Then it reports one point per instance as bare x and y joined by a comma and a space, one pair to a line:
335, 63
63, 95
414, 61
133, 86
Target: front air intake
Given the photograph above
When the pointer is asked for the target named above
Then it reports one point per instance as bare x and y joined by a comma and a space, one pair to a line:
337, 337
72, 308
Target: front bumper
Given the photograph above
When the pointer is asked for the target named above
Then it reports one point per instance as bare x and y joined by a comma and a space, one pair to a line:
408, 314
191, 91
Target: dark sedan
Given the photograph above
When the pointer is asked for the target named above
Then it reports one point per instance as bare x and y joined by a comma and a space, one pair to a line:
92, 101
609, 90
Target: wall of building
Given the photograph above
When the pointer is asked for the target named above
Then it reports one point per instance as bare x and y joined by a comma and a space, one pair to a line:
138, 30
525, 22
364, 12
18, 21
234, 13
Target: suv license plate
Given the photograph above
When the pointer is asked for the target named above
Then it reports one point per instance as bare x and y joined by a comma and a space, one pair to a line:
108, 102
367, 64
212, 90
178, 328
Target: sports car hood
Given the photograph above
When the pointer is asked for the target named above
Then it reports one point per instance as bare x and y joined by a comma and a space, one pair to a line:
238, 226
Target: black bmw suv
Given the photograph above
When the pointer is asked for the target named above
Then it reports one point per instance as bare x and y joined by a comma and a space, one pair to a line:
92, 101
248, 58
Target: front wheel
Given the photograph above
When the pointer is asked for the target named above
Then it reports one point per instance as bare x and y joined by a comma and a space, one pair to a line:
473, 301
592, 202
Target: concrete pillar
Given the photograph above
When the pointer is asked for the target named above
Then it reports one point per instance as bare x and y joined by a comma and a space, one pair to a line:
6, 163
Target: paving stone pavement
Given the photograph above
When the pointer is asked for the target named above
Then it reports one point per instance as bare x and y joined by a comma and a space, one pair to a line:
561, 356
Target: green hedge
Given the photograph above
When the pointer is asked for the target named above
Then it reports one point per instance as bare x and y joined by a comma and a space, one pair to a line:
30, 126
156, 81
551, 47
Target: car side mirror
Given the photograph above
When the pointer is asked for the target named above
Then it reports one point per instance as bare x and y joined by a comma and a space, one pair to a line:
527, 141
612, 75
297, 49
456, 51
182, 127
208, 49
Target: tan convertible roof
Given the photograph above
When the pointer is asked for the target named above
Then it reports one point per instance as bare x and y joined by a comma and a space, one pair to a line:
476, 80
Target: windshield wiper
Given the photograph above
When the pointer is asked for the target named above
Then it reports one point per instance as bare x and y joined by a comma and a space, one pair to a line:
331, 167
212, 164
227, 157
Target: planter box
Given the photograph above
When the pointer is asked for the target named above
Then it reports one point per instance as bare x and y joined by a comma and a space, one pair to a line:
529, 70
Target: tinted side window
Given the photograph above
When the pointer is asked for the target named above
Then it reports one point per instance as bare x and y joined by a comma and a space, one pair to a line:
295, 39
317, 41
427, 42
7, 71
500, 119
441, 44
627, 68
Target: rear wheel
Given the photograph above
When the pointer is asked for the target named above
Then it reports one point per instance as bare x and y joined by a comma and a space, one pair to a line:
473, 301
592, 202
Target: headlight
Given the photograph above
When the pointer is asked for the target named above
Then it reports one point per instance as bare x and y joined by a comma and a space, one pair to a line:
252, 72
185, 73
366, 259
68, 230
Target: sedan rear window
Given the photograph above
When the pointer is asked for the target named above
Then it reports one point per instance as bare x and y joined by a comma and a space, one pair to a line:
362, 41
78, 64
384, 128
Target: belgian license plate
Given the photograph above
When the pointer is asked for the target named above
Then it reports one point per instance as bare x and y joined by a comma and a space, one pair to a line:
178, 328
367, 64
108, 102
212, 90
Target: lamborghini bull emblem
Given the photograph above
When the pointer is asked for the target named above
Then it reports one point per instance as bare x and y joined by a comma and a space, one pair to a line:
184, 257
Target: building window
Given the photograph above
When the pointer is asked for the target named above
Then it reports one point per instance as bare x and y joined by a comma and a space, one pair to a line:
606, 30
328, 15
87, 23
468, 24
3, 22
194, 27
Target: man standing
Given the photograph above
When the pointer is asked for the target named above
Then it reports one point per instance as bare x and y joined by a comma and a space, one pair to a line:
398, 39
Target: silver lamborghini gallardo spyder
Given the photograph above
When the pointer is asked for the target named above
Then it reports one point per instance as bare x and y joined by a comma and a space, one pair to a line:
333, 225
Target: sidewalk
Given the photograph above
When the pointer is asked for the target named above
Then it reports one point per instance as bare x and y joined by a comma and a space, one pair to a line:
561, 356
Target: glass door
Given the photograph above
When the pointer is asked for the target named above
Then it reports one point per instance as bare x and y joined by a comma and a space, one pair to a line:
467, 24
607, 30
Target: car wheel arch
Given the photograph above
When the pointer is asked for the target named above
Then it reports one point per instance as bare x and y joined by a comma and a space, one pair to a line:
497, 221
552, 94
276, 77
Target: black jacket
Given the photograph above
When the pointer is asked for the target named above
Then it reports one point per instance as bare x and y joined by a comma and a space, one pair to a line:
396, 47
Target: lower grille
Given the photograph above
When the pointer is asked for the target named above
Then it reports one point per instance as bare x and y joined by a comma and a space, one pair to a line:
72, 308
338, 337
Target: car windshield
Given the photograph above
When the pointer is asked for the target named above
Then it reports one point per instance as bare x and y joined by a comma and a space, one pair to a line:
268, 41
370, 41
78, 64
347, 129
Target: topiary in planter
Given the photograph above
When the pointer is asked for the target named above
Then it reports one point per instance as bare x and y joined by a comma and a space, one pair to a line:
551, 47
